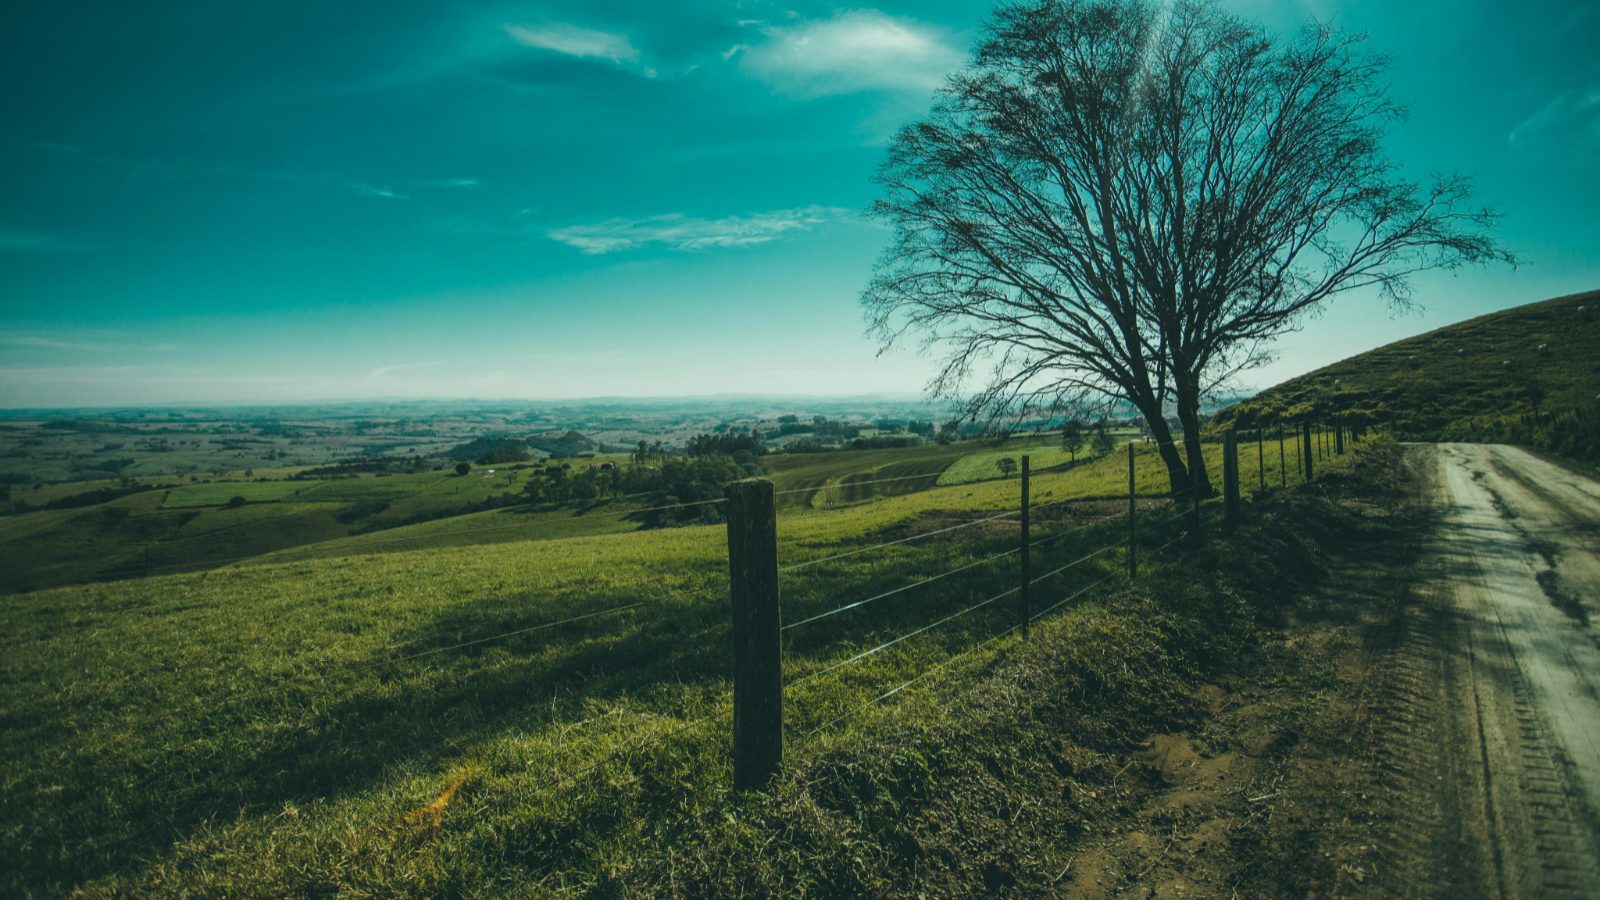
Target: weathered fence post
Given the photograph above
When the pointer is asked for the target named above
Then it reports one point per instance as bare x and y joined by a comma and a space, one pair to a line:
1261, 460
757, 657
1338, 436
1133, 524
1027, 563
1283, 466
1306, 450
1230, 478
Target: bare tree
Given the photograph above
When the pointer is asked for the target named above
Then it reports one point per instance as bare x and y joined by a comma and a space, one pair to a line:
1125, 200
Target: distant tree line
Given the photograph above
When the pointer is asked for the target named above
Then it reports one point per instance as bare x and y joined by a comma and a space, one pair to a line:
377, 465
730, 444
87, 498
488, 451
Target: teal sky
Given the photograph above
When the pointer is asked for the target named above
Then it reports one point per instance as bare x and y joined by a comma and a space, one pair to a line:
228, 202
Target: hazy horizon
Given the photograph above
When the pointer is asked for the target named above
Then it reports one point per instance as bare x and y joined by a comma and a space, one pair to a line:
222, 206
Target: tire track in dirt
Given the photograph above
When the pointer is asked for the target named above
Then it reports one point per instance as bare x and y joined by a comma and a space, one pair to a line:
1489, 714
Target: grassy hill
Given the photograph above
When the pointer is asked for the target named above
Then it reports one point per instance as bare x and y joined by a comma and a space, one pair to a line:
477, 708
1458, 382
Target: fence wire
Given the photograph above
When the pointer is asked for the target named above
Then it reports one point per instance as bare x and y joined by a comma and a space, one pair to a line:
500, 637
899, 590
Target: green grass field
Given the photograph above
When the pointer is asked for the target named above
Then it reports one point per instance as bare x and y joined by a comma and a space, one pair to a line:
1435, 386
420, 710
1044, 452
220, 493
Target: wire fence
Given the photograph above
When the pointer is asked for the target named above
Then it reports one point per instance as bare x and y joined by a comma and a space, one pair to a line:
981, 596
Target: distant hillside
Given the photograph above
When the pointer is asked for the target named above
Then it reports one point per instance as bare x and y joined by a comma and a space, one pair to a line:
1455, 381
570, 443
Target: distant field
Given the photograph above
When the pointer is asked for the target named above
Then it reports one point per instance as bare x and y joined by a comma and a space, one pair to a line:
262, 728
1044, 452
191, 526
219, 493
794, 473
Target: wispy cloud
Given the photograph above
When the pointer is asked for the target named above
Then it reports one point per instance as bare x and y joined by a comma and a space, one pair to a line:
396, 368
1573, 114
13, 238
367, 190
33, 340
856, 50
580, 43
463, 183
679, 232
92, 341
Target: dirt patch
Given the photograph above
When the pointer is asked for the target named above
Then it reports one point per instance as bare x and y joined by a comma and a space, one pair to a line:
1278, 790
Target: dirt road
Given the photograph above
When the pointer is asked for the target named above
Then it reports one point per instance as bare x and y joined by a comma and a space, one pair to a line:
1494, 763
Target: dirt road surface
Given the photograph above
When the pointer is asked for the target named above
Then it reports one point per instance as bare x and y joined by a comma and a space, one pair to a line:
1494, 767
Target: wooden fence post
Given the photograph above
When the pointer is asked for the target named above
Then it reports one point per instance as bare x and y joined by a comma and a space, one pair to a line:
1283, 466
1230, 478
1261, 460
757, 655
1027, 563
1306, 451
1338, 436
1133, 525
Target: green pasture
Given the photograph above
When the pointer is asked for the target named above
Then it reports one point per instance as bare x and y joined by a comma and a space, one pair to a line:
220, 493
827, 475
289, 725
1043, 451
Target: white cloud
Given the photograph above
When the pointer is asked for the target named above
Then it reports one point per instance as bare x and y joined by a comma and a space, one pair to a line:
571, 40
856, 50
399, 368
367, 190
680, 232
86, 341
33, 340
464, 183
1570, 116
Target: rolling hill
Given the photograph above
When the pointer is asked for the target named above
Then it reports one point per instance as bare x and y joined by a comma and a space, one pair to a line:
272, 727
1470, 380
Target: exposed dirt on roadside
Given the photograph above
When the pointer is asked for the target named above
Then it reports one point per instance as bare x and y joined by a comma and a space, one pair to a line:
1425, 725
1277, 792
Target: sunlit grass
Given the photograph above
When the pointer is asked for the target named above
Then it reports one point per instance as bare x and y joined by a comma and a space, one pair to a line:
292, 726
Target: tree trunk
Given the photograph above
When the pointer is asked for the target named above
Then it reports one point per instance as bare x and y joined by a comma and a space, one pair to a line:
1177, 475
1189, 416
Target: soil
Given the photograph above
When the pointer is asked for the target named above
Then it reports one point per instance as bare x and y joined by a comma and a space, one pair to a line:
1425, 725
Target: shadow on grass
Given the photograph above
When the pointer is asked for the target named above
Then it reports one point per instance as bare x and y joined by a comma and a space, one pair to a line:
419, 714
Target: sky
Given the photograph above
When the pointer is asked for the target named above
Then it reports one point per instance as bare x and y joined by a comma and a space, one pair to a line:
214, 202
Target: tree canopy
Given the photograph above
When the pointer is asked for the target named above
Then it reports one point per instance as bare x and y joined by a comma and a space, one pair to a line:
1120, 199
